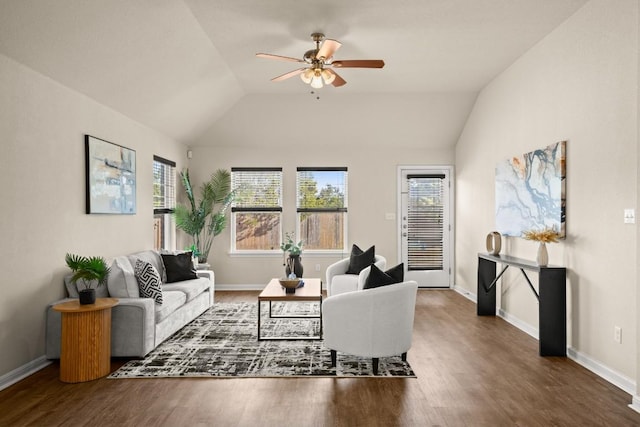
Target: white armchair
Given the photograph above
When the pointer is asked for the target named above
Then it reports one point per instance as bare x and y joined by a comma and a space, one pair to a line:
371, 323
339, 282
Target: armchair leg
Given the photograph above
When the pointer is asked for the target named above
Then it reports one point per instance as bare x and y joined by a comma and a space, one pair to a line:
334, 357
375, 365
404, 356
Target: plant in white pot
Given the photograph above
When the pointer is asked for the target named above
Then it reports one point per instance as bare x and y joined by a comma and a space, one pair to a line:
87, 270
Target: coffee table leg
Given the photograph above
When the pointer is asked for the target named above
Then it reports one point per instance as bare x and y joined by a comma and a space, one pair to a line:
259, 304
320, 317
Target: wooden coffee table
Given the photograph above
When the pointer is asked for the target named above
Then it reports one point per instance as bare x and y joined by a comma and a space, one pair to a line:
310, 292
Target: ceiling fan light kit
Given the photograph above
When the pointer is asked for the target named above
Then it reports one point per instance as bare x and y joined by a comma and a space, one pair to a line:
317, 74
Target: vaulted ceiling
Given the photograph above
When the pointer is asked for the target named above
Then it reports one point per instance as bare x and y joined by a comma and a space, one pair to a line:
178, 65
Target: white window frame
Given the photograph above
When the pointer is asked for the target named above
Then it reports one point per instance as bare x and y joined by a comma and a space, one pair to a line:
169, 202
252, 252
345, 210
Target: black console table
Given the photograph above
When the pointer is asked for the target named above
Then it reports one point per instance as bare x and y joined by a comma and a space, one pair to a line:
552, 298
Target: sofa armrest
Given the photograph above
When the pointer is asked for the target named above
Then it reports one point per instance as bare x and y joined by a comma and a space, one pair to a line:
132, 328
53, 330
209, 274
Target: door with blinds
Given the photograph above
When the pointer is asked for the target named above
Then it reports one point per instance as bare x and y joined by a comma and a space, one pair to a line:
425, 225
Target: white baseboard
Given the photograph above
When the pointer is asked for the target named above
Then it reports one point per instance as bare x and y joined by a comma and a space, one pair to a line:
523, 326
23, 371
243, 287
635, 403
616, 378
465, 293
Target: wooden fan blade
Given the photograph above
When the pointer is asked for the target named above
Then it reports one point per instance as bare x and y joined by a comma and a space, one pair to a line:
288, 75
338, 81
359, 63
328, 48
278, 57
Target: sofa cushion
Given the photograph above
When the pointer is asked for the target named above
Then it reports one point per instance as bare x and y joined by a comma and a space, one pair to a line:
149, 282
73, 288
191, 288
359, 259
379, 278
152, 257
122, 281
179, 267
172, 300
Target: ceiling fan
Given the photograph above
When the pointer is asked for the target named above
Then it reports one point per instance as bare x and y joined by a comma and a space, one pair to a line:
318, 73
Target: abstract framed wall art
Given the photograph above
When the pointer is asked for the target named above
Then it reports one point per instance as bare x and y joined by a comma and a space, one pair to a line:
531, 191
111, 177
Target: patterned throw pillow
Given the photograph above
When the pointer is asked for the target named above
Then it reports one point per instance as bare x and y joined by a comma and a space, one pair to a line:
148, 281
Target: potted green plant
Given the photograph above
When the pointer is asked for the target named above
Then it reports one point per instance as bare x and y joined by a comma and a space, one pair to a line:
87, 270
293, 263
205, 218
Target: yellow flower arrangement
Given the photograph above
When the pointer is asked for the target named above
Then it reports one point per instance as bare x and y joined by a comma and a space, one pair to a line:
548, 235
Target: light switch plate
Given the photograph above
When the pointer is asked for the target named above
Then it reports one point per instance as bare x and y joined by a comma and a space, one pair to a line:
629, 216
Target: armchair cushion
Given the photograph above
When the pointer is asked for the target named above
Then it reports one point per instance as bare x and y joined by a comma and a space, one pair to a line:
360, 259
379, 278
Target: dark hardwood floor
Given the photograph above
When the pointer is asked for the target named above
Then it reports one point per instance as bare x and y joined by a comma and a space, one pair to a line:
471, 371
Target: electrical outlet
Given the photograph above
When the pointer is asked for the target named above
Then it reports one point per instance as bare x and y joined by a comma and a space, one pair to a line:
617, 334
317, 267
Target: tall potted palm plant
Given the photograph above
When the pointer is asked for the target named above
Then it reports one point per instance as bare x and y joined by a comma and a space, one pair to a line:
205, 218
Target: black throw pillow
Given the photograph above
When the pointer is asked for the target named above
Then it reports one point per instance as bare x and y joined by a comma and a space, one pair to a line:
379, 278
179, 267
360, 260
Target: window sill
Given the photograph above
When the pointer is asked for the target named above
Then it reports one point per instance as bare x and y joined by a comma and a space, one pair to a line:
279, 254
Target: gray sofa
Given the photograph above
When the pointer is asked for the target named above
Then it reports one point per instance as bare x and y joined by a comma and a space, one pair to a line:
138, 325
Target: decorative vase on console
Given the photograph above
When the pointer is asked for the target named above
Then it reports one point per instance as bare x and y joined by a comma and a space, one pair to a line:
548, 235
543, 257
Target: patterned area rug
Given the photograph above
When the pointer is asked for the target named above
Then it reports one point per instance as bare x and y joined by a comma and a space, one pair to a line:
223, 343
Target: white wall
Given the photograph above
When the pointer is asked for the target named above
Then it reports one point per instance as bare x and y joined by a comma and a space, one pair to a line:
370, 135
578, 84
42, 170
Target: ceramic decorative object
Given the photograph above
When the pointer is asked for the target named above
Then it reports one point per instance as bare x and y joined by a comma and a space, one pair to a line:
547, 235
543, 256
290, 285
294, 266
494, 243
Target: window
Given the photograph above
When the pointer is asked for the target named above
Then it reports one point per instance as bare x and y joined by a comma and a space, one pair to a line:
322, 207
164, 201
257, 209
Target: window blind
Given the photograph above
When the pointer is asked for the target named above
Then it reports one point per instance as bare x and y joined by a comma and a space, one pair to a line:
164, 185
257, 189
425, 222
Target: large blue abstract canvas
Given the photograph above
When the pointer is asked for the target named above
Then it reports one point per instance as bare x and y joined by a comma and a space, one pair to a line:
530, 191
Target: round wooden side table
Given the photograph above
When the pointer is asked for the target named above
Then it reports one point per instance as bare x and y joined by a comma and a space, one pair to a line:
85, 351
